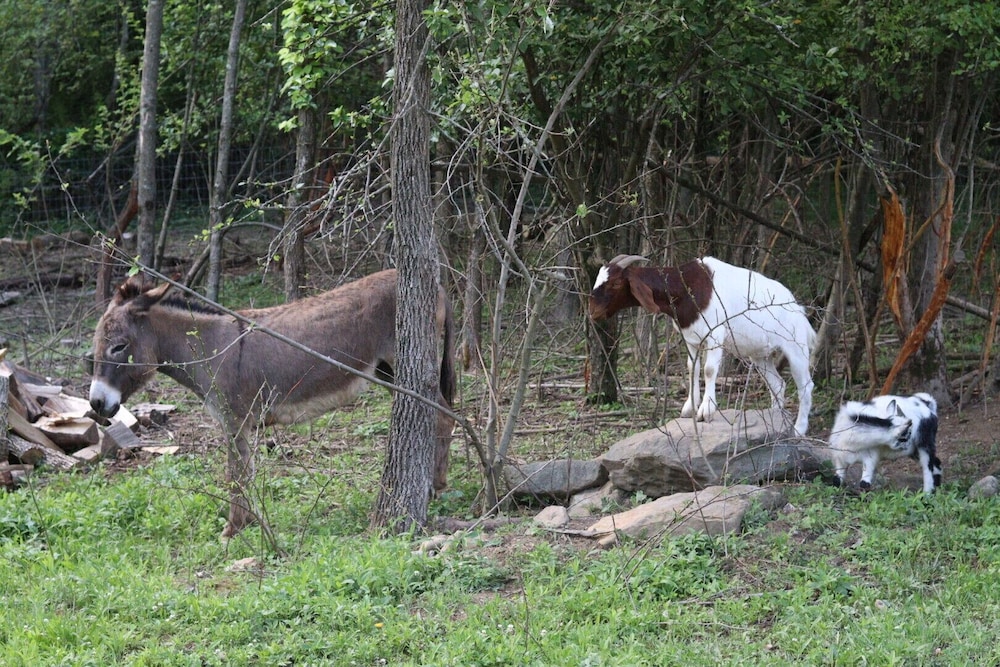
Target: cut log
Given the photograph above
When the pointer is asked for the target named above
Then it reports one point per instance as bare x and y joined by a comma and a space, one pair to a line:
89, 454
29, 452
63, 405
21, 402
118, 436
22, 427
70, 433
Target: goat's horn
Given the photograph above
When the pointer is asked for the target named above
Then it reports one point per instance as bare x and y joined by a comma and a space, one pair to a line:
625, 260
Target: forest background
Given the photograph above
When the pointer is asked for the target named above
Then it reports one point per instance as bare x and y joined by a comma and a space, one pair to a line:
847, 148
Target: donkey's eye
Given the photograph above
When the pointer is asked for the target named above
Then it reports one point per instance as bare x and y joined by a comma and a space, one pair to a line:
119, 349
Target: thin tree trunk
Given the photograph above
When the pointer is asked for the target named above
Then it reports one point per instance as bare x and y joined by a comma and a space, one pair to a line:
408, 472
147, 133
293, 246
220, 183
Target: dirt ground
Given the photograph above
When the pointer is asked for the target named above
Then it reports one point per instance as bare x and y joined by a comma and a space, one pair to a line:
48, 326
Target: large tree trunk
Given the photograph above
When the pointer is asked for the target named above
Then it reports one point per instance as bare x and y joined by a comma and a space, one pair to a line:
408, 472
147, 133
220, 184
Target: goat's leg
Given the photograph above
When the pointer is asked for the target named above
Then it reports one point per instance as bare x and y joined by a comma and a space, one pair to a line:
869, 462
931, 467
239, 475
713, 360
798, 364
775, 383
694, 380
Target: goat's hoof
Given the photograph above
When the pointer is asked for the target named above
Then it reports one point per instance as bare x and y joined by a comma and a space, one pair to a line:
865, 486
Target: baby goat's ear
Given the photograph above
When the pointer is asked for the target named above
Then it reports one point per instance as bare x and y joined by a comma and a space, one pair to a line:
893, 409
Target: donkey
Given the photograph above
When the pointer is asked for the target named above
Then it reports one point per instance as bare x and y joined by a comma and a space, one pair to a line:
247, 377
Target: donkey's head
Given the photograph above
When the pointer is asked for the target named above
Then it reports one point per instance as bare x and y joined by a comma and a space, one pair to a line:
124, 345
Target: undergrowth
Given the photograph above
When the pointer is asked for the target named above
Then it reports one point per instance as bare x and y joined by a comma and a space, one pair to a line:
128, 570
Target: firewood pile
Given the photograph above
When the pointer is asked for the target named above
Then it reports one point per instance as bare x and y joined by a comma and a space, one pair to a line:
40, 424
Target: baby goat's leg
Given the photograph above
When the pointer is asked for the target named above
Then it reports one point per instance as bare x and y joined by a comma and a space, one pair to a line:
931, 467
869, 462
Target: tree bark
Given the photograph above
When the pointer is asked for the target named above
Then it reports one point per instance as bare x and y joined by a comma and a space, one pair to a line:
220, 183
146, 172
293, 245
408, 472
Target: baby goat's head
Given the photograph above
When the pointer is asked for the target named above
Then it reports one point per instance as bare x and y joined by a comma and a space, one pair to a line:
611, 291
902, 426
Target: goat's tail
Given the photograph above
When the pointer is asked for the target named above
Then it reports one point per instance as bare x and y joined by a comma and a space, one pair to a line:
448, 382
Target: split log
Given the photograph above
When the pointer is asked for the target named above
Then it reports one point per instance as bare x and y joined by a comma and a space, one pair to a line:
62, 405
25, 429
29, 452
70, 433
21, 402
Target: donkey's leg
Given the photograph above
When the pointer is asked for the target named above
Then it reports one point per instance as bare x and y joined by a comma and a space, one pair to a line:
445, 424
239, 476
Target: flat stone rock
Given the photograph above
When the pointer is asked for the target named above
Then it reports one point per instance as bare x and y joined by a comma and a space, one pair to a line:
750, 446
557, 479
553, 516
716, 510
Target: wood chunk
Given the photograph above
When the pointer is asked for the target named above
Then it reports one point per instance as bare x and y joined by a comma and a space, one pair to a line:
25, 429
66, 406
89, 454
22, 402
29, 452
70, 433
125, 417
161, 449
119, 436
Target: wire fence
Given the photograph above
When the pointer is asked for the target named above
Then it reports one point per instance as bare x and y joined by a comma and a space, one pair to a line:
87, 191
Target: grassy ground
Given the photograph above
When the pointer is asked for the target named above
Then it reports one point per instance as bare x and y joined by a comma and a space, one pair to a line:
122, 565
127, 569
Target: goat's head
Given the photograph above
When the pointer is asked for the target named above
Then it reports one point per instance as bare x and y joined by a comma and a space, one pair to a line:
902, 426
612, 291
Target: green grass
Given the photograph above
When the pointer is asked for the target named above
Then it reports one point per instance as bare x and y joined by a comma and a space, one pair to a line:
127, 569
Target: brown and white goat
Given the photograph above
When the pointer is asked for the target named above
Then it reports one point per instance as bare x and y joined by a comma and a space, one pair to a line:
717, 306
248, 377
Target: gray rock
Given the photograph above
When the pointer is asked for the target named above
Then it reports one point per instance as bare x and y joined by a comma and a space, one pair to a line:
715, 510
987, 487
736, 446
591, 502
558, 479
553, 516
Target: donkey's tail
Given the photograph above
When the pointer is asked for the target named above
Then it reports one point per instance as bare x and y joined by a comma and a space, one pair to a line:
448, 381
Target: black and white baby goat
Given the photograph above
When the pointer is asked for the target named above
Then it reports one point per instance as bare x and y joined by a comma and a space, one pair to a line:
886, 427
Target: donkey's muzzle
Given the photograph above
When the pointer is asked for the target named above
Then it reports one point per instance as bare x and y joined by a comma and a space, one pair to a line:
101, 407
104, 400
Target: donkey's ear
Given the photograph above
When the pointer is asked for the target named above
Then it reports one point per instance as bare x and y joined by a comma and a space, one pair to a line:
643, 293
150, 297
